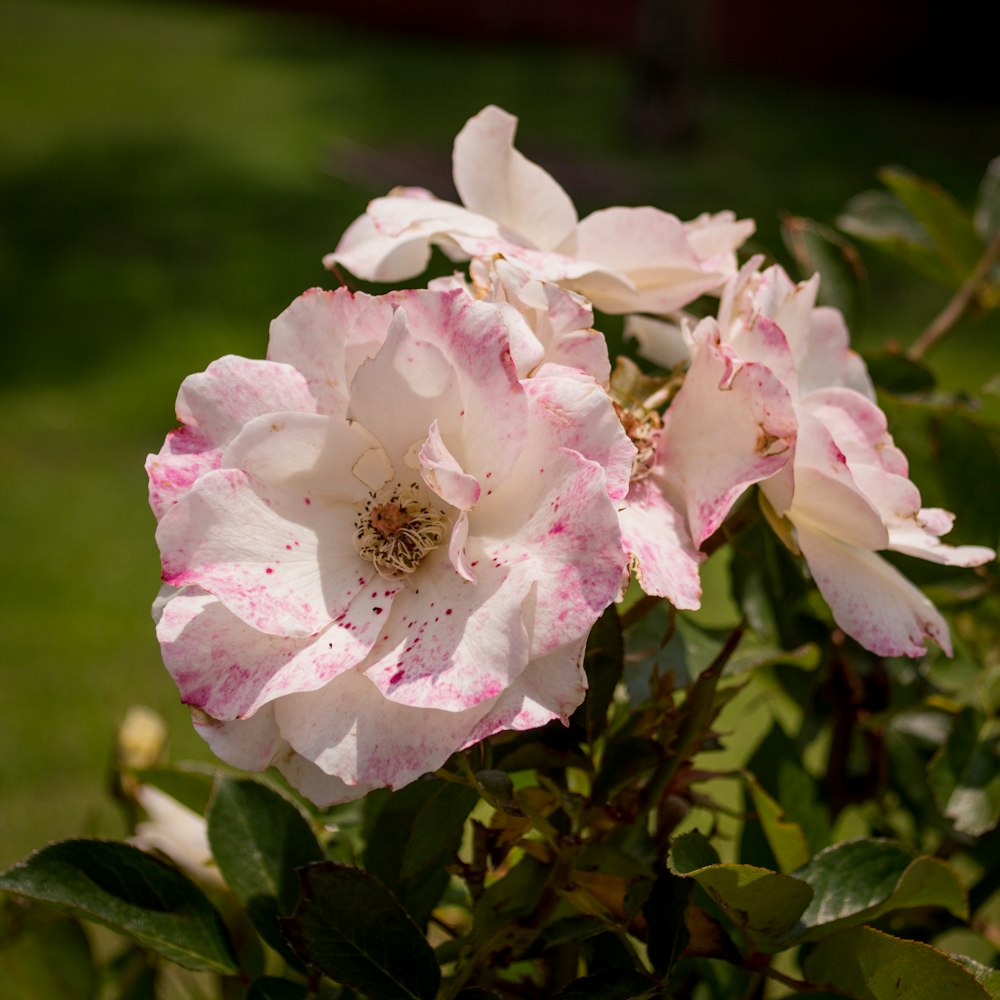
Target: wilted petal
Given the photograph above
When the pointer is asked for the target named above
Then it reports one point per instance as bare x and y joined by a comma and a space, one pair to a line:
656, 538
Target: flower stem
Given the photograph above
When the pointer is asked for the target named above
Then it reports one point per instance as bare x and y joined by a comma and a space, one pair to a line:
958, 303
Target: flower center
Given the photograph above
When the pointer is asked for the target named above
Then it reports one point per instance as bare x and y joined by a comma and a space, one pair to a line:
642, 427
395, 530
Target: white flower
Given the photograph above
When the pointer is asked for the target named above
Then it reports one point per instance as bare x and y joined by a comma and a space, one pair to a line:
386, 546
622, 259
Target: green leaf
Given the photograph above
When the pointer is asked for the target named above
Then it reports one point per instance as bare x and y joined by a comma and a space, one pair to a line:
691, 851
44, 954
866, 964
664, 910
350, 926
784, 836
514, 896
949, 226
986, 976
898, 373
131, 892
858, 881
964, 776
881, 219
414, 836
763, 903
608, 984
258, 839
987, 215
273, 988
603, 663
818, 248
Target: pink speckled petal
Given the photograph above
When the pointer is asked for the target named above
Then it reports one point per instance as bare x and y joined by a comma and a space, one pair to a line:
212, 407
826, 494
871, 600
281, 576
570, 410
230, 670
450, 644
715, 238
555, 527
349, 729
551, 687
728, 427
483, 402
858, 426
656, 538
828, 360
326, 336
494, 179
444, 475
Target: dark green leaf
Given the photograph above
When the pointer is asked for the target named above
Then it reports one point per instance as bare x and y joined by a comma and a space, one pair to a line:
603, 663
881, 219
608, 984
349, 925
866, 964
897, 373
820, 249
273, 988
965, 776
132, 893
859, 880
691, 851
949, 226
44, 954
258, 839
987, 215
475, 993
414, 837
514, 896
664, 911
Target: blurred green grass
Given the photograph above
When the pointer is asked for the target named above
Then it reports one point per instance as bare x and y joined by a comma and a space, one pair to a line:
171, 175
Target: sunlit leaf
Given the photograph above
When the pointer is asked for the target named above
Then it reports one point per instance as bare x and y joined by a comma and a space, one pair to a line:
866, 964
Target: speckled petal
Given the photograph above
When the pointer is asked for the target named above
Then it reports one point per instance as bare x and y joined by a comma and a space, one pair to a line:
448, 643
229, 670
656, 538
551, 687
212, 407
871, 600
326, 336
281, 575
444, 475
349, 729
728, 427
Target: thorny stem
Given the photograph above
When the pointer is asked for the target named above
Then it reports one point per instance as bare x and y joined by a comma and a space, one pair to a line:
958, 303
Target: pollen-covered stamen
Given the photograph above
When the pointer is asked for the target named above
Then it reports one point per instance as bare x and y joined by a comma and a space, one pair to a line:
396, 529
642, 427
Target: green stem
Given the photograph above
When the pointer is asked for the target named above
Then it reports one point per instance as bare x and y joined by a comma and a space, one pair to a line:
958, 303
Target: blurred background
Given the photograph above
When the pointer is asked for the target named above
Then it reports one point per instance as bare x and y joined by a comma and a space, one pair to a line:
171, 174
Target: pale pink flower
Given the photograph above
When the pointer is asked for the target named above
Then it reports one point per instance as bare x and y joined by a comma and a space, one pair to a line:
388, 547
846, 493
622, 259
